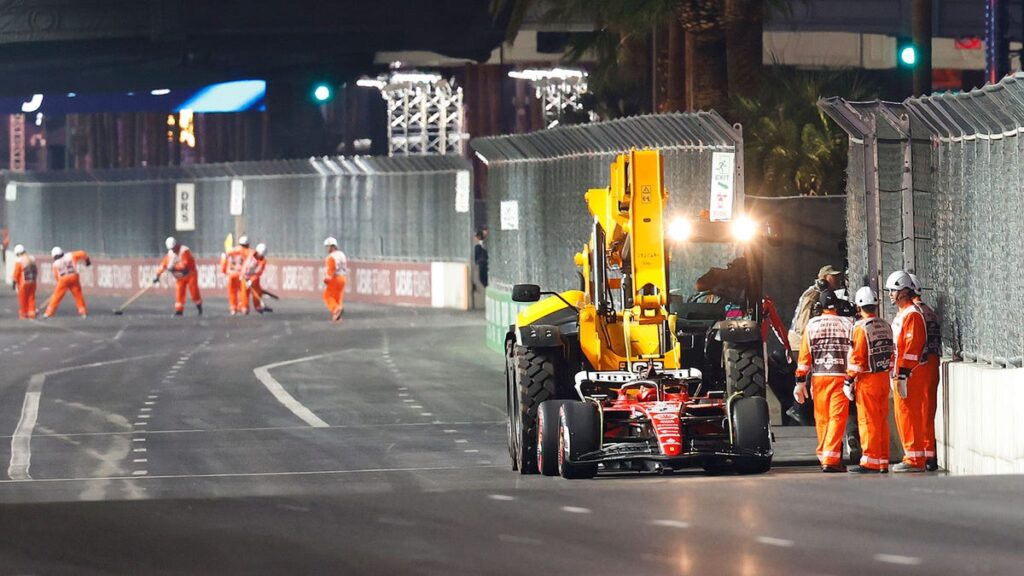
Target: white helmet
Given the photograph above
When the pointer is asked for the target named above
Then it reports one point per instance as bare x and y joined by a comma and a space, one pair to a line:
915, 283
866, 297
261, 249
171, 242
57, 252
243, 241
19, 249
899, 280
331, 241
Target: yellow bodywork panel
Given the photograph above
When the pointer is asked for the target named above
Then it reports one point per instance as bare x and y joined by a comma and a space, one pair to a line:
538, 310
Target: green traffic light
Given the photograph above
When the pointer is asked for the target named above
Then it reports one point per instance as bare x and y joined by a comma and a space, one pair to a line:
908, 55
322, 93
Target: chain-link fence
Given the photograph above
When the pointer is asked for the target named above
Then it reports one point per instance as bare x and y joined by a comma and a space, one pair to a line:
410, 208
936, 186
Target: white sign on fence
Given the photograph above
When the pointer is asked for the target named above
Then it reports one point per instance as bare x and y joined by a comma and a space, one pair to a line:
237, 197
185, 207
11, 194
510, 215
723, 173
462, 191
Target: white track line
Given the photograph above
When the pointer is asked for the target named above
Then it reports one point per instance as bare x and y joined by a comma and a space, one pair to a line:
287, 400
21, 441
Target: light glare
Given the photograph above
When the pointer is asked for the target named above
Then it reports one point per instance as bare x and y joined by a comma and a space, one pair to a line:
680, 229
743, 229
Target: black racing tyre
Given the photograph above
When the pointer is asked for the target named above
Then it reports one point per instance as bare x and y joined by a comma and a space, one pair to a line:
750, 433
744, 369
534, 383
510, 405
547, 436
579, 432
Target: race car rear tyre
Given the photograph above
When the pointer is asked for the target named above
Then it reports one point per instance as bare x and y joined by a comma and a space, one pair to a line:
744, 369
579, 432
547, 436
750, 433
534, 383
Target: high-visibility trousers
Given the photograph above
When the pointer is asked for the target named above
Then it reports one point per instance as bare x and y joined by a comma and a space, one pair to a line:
873, 419
236, 294
831, 410
910, 417
64, 285
191, 284
931, 376
255, 292
26, 300
334, 294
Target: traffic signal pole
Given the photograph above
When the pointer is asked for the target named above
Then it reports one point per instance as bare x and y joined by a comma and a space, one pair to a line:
997, 46
921, 30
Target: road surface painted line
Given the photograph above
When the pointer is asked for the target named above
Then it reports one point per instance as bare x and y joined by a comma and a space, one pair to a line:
461, 441
120, 333
501, 497
139, 473
138, 449
426, 414
402, 388
775, 541
140, 460
21, 441
450, 431
671, 523
138, 439
259, 474
145, 409
408, 400
275, 429
287, 400
402, 394
415, 406
470, 451
575, 510
897, 559
140, 423
149, 403
144, 416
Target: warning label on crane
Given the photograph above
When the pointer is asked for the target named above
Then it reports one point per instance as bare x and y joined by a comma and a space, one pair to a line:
723, 173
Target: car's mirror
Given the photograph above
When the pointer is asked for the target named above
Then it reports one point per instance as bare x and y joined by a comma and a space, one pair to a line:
525, 293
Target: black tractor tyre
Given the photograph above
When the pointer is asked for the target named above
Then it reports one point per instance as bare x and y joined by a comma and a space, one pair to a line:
534, 383
547, 436
579, 432
744, 369
510, 404
750, 432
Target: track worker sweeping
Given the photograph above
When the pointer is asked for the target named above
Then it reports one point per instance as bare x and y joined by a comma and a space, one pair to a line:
824, 348
26, 276
931, 367
231, 265
335, 273
867, 382
251, 274
182, 265
65, 271
909, 378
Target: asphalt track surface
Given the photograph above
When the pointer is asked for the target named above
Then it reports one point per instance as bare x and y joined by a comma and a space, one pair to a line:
146, 444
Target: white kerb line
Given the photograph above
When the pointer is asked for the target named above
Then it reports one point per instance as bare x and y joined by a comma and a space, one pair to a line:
287, 400
21, 442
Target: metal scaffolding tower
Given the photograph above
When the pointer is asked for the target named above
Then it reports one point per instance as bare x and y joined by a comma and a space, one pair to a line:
425, 114
558, 89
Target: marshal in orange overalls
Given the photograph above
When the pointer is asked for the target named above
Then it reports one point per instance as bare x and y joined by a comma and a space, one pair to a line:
931, 368
65, 272
910, 336
335, 273
231, 265
26, 276
251, 274
182, 265
823, 354
869, 364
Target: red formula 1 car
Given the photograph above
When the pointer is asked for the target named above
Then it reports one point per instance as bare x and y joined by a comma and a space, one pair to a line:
658, 421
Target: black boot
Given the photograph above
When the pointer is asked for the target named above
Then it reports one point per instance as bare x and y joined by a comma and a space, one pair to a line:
179, 313
199, 308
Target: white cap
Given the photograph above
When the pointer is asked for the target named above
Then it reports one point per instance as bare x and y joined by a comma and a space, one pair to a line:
243, 241
915, 283
331, 241
261, 249
57, 252
19, 249
170, 242
899, 280
866, 297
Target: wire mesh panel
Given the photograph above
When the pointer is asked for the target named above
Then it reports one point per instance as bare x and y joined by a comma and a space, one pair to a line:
966, 184
378, 208
537, 215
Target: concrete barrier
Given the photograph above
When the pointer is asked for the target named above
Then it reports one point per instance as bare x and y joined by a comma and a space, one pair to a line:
427, 284
979, 428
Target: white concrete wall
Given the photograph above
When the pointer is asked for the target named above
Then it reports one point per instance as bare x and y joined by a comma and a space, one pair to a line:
980, 421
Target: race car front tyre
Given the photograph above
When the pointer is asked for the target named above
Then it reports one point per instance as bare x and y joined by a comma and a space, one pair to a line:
579, 432
744, 368
547, 436
534, 383
750, 433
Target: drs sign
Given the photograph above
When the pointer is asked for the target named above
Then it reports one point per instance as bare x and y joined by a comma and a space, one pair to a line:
185, 207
